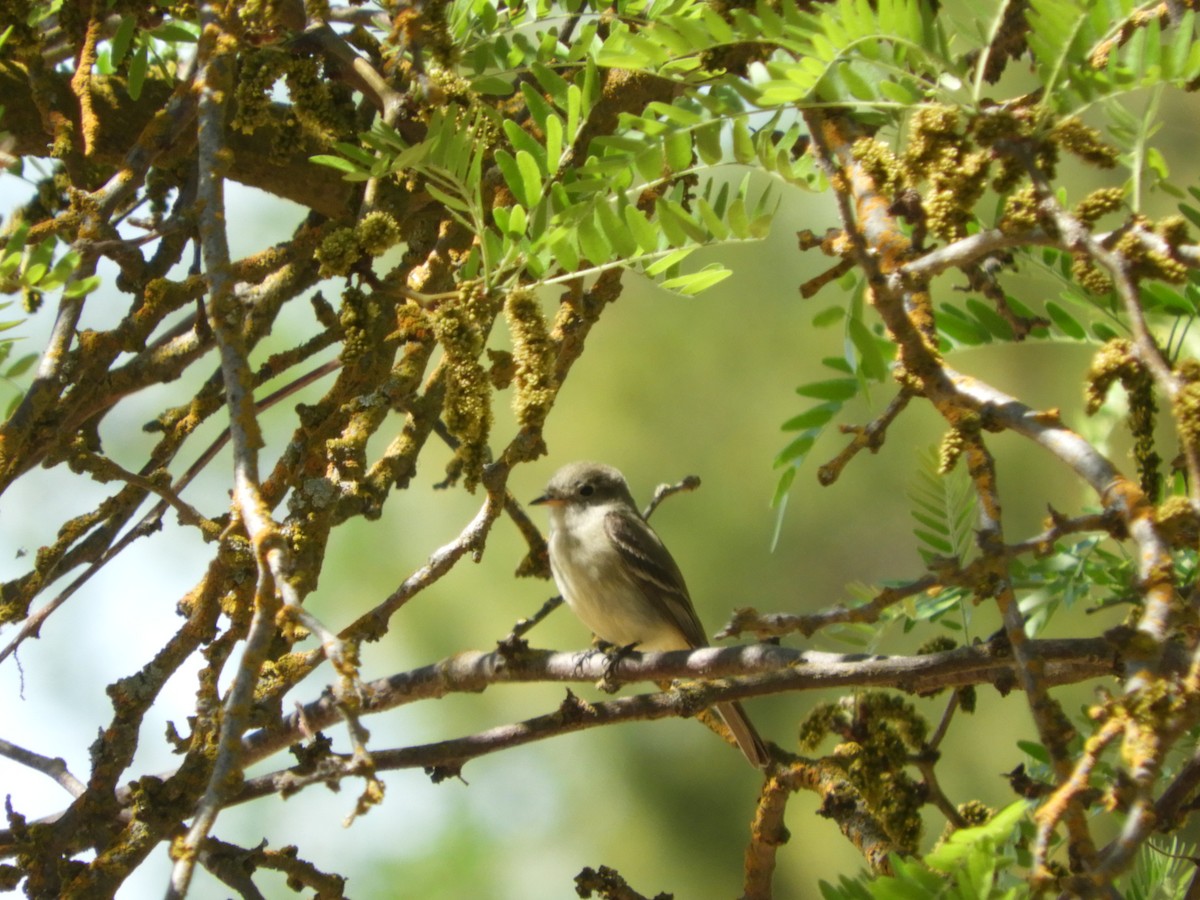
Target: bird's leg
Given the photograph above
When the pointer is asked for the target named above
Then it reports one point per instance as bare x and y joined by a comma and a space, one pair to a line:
614, 654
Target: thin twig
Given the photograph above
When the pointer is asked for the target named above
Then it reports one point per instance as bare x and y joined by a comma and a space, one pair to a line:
939, 733
947, 574
867, 437
215, 78
663, 491
55, 767
523, 626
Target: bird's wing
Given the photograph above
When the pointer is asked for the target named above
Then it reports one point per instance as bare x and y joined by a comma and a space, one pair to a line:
656, 573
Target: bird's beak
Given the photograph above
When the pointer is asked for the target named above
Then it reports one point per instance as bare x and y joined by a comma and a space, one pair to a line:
545, 500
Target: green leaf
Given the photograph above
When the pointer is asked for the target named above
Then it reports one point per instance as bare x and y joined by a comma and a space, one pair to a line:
138, 67
564, 249
684, 118
856, 84
1157, 295
552, 83
334, 162
176, 31
870, 359
448, 200
1035, 751
957, 326
739, 221
933, 523
537, 105
492, 85
677, 148
812, 418
639, 226
123, 38
1065, 322
784, 485
713, 222
721, 31
695, 282
618, 235
995, 323
672, 225
674, 258
838, 364
592, 242
743, 142
82, 287
522, 140
996, 831
554, 141
829, 316
840, 389
574, 111
16, 240
650, 162
517, 221
672, 213
21, 366
67, 263
708, 142
781, 93
795, 452
1190, 213
512, 175
898, 92
1157, 163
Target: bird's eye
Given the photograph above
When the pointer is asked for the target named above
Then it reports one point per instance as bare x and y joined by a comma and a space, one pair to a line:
586, 490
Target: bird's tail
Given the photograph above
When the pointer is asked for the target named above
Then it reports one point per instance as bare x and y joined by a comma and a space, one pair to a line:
748, 739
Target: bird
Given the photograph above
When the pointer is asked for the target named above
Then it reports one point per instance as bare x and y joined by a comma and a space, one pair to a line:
620, 580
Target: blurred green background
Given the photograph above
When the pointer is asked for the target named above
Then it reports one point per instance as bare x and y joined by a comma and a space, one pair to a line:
667, 387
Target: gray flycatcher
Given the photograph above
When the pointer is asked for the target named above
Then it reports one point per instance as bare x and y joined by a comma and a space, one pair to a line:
620, 580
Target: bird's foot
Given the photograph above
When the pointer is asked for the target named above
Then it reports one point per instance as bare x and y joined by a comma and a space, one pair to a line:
609, 683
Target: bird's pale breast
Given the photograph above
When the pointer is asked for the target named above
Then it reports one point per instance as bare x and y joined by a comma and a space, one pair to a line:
593, 579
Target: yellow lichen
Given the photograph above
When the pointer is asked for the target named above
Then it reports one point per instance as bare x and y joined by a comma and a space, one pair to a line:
1083, 141
1177, 521
1113, 362
880, 164
338, 252
1090, 276
950, 450
377, 232
467, 408
1186, 410
1020, 211
1099, 203
534, 356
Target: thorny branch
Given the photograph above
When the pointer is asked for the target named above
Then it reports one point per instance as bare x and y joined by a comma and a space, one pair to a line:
727, 673
216, 80
411, 330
